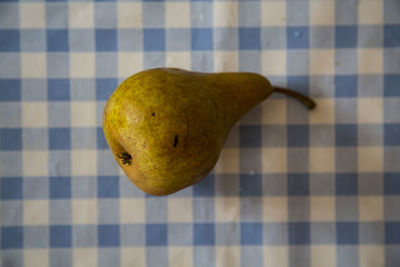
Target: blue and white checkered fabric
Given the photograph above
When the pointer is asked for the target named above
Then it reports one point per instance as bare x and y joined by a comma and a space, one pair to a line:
292, 188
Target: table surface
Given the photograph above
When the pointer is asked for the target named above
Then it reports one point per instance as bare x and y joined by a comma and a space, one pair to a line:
291, 187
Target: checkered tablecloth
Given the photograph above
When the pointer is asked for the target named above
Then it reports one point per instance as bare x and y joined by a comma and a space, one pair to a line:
292, 188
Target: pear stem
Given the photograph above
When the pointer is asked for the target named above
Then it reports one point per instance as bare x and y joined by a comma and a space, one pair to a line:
308, 102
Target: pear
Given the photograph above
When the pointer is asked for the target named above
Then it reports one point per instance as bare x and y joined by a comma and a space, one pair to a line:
167, 126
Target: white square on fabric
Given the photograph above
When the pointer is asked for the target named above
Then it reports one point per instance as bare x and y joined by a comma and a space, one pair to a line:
129, 63
85, 257
274, 160
227, 256
227, 209
35, 163
177, 14
273, 62
84, 162
371, 208
372, 255
180, 210
228, 161
322, 159
370, 12
181, 60
33, 65
370, 110
225, 14
129, 15
84, 211
36, 257
370, 159
322, 209
324, 113
273, 13
274, 111
132, 210
36, 212
226, 61
275, 209
323, 255
322, 13
83, 114
180, 256
370, 61
34, 114
81, 15
82, 65
133, 256
322, 62
32, 15
276, 256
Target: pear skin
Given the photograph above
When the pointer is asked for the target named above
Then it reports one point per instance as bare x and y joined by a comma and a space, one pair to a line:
167, 126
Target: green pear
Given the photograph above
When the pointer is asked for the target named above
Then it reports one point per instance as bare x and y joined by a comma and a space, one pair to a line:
167, 126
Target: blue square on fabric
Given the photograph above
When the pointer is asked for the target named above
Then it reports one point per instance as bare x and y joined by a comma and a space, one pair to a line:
251, 233
299, 233
250, 135
300, 82
346, 184
105, 87
108, 186
347, 233
106, 40
298, 184
108, 235
206, 187
60, 236
392, 134
392, 232
346, 134
249, 38
345, 36
11, 237
11, 188
101, 140
58, 89
202, 39
392, 36
9, 41
57, 40
10, 90
59, 138
204, 234
10, 139
392, 183
297, 38
346, 86
391, 85
154, 39
298, 135
60, 187
250, 185
156, 234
